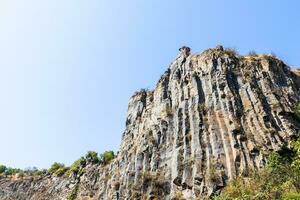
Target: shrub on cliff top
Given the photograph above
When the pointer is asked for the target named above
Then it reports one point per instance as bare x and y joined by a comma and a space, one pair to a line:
107, 156
73, 194
2, 169
297, 110
12, 171
75, 167
231, 52
61, 171
92, 156
55, 166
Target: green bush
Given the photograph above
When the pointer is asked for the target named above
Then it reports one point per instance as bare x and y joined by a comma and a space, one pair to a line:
34, 171
231, 52
12, 171
55, 166
107, 156
279, 180
2, 169
297, 110
274, 161
75, 167
291, 196
296, 148
92, 157
60, 171
73, 194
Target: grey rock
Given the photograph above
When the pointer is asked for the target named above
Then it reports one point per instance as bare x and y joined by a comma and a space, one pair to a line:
211, 117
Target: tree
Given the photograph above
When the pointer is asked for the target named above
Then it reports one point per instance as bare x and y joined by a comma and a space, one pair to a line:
60, 171
55, 166
107, 156
2, 169
75, 167
12, 171
92, 156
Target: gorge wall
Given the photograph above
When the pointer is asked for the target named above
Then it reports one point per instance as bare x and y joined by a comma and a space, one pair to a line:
211, 117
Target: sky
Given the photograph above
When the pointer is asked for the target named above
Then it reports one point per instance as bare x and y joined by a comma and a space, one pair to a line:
68, 67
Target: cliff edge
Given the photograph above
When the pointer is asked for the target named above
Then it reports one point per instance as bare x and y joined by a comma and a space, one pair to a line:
211, 117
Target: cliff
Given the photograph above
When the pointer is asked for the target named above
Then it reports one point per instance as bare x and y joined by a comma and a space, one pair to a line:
211, 117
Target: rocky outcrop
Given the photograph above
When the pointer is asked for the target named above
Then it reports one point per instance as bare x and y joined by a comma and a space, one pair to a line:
211, 117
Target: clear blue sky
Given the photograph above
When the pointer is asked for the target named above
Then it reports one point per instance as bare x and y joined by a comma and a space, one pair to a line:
68, 67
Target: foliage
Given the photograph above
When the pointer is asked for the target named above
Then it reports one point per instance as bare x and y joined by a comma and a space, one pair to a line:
280, 179
166, 112
213, 175
75, 167
201, 108
273, 54
291, 196
73, 194
252, 53
297, 110
144, 90
2, 168
155, 179
12, 171
178, 196
58, 169
107, 156
32, 171
55, 166
274, 160
92, 156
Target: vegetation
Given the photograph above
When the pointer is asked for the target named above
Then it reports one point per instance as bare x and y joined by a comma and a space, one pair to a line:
92, 157
75, 167
2, 169
73, 194
107, 156
201, 108
252, 53
178, 196
34, 171
55, 166
147, 178
279, 180
231, 52
9, 171
58, 169
297, 110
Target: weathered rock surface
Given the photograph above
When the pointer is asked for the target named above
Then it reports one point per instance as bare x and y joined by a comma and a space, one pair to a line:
212, 116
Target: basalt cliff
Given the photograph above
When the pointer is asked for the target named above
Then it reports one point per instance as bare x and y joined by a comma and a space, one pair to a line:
211, 117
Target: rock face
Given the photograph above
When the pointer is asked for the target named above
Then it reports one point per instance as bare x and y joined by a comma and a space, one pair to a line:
211, 117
